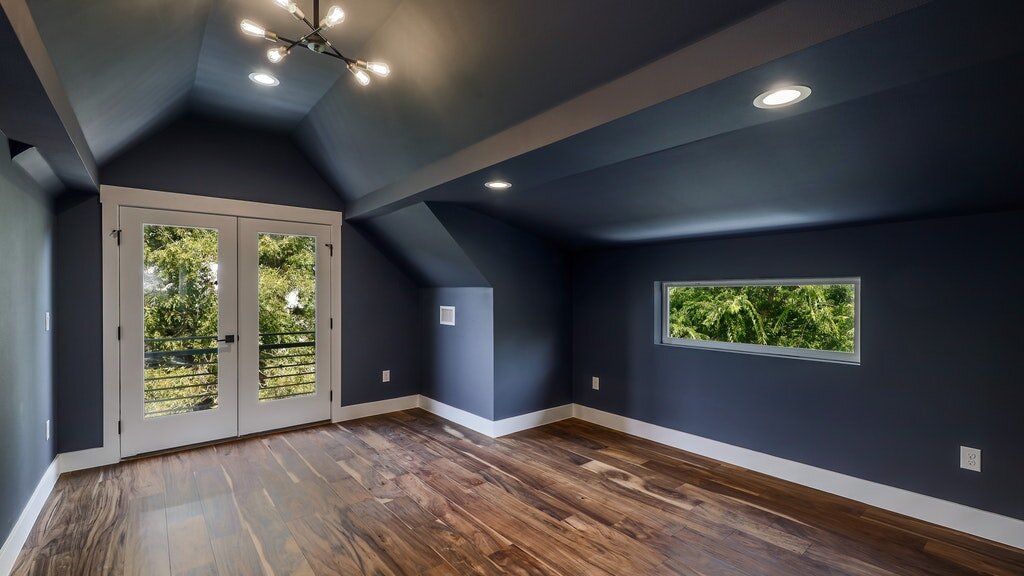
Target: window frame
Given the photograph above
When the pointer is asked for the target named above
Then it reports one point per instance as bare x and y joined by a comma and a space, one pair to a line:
764, 349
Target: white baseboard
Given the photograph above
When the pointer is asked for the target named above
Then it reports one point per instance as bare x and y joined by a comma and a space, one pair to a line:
515, 424
458, 416
989, 525
496, 428
16, 539
91, 458
374, 408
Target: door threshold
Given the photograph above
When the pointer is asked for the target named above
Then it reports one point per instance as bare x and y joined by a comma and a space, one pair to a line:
227, 440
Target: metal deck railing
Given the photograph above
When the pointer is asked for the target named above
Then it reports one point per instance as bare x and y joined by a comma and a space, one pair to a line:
181, 371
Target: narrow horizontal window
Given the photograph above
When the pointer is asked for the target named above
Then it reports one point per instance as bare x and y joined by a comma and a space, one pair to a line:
816, 318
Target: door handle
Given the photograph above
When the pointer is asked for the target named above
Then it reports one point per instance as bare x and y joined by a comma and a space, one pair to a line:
229, 339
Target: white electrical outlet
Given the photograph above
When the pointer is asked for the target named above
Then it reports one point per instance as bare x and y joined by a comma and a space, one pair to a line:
970, 458
47, 430
595, 383
385, 376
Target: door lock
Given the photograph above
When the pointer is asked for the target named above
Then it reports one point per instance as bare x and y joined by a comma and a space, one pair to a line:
229, 339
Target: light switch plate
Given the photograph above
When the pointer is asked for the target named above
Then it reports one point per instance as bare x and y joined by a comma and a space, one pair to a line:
595, 383
385, 376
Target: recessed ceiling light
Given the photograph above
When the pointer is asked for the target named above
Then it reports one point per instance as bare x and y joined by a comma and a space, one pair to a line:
264, 79
780, 97
498, 185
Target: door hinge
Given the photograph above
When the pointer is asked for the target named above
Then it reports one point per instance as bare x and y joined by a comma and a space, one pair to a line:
330, 395
119, 427
331, 248
118, 332
332, 323
116, 234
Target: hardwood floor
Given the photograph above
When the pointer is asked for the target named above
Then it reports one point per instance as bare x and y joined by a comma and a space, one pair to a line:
409, 493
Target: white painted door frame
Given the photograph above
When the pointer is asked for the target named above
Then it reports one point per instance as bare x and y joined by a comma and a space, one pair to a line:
112, 198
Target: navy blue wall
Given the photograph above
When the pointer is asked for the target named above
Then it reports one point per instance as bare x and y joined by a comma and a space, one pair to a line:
79, 306
380, 328
532, 311
941, 339
26, 361
458, 361
211, 158
206, 157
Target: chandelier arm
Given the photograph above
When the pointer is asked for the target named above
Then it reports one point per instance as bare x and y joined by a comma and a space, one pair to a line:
303, 39
338, 54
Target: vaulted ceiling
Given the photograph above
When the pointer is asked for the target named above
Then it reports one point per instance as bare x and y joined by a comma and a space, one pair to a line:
615, 121
463, 69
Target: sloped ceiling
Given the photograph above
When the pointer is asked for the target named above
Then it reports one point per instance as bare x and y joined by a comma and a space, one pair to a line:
418, 239
222, 83
465, 69
616, 122
127, 65
909, 117
32, 110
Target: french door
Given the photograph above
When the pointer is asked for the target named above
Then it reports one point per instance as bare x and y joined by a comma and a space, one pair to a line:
225, 327
284, 324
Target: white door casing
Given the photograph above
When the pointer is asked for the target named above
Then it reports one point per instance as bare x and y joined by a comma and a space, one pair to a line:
116, 408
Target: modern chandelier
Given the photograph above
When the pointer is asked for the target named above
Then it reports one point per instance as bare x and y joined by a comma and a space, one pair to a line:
314, 40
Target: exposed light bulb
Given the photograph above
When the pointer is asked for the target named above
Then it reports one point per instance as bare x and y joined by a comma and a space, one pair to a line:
253, 29
275, 55
334, 17
378, 68
361, 76
290, 7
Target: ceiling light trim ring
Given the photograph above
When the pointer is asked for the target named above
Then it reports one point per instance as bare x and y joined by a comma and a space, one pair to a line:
782, 96
264, 79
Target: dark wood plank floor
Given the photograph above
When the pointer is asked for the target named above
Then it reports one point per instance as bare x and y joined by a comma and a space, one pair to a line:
409, 493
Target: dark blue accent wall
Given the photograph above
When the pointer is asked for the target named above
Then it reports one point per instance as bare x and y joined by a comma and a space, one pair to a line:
941, 340
206, 157
379, 324
79, 306
532, 311
211, 158
26, 361
458, 361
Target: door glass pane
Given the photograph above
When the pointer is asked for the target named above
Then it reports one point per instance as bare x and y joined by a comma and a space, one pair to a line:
180, 316
287, 292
